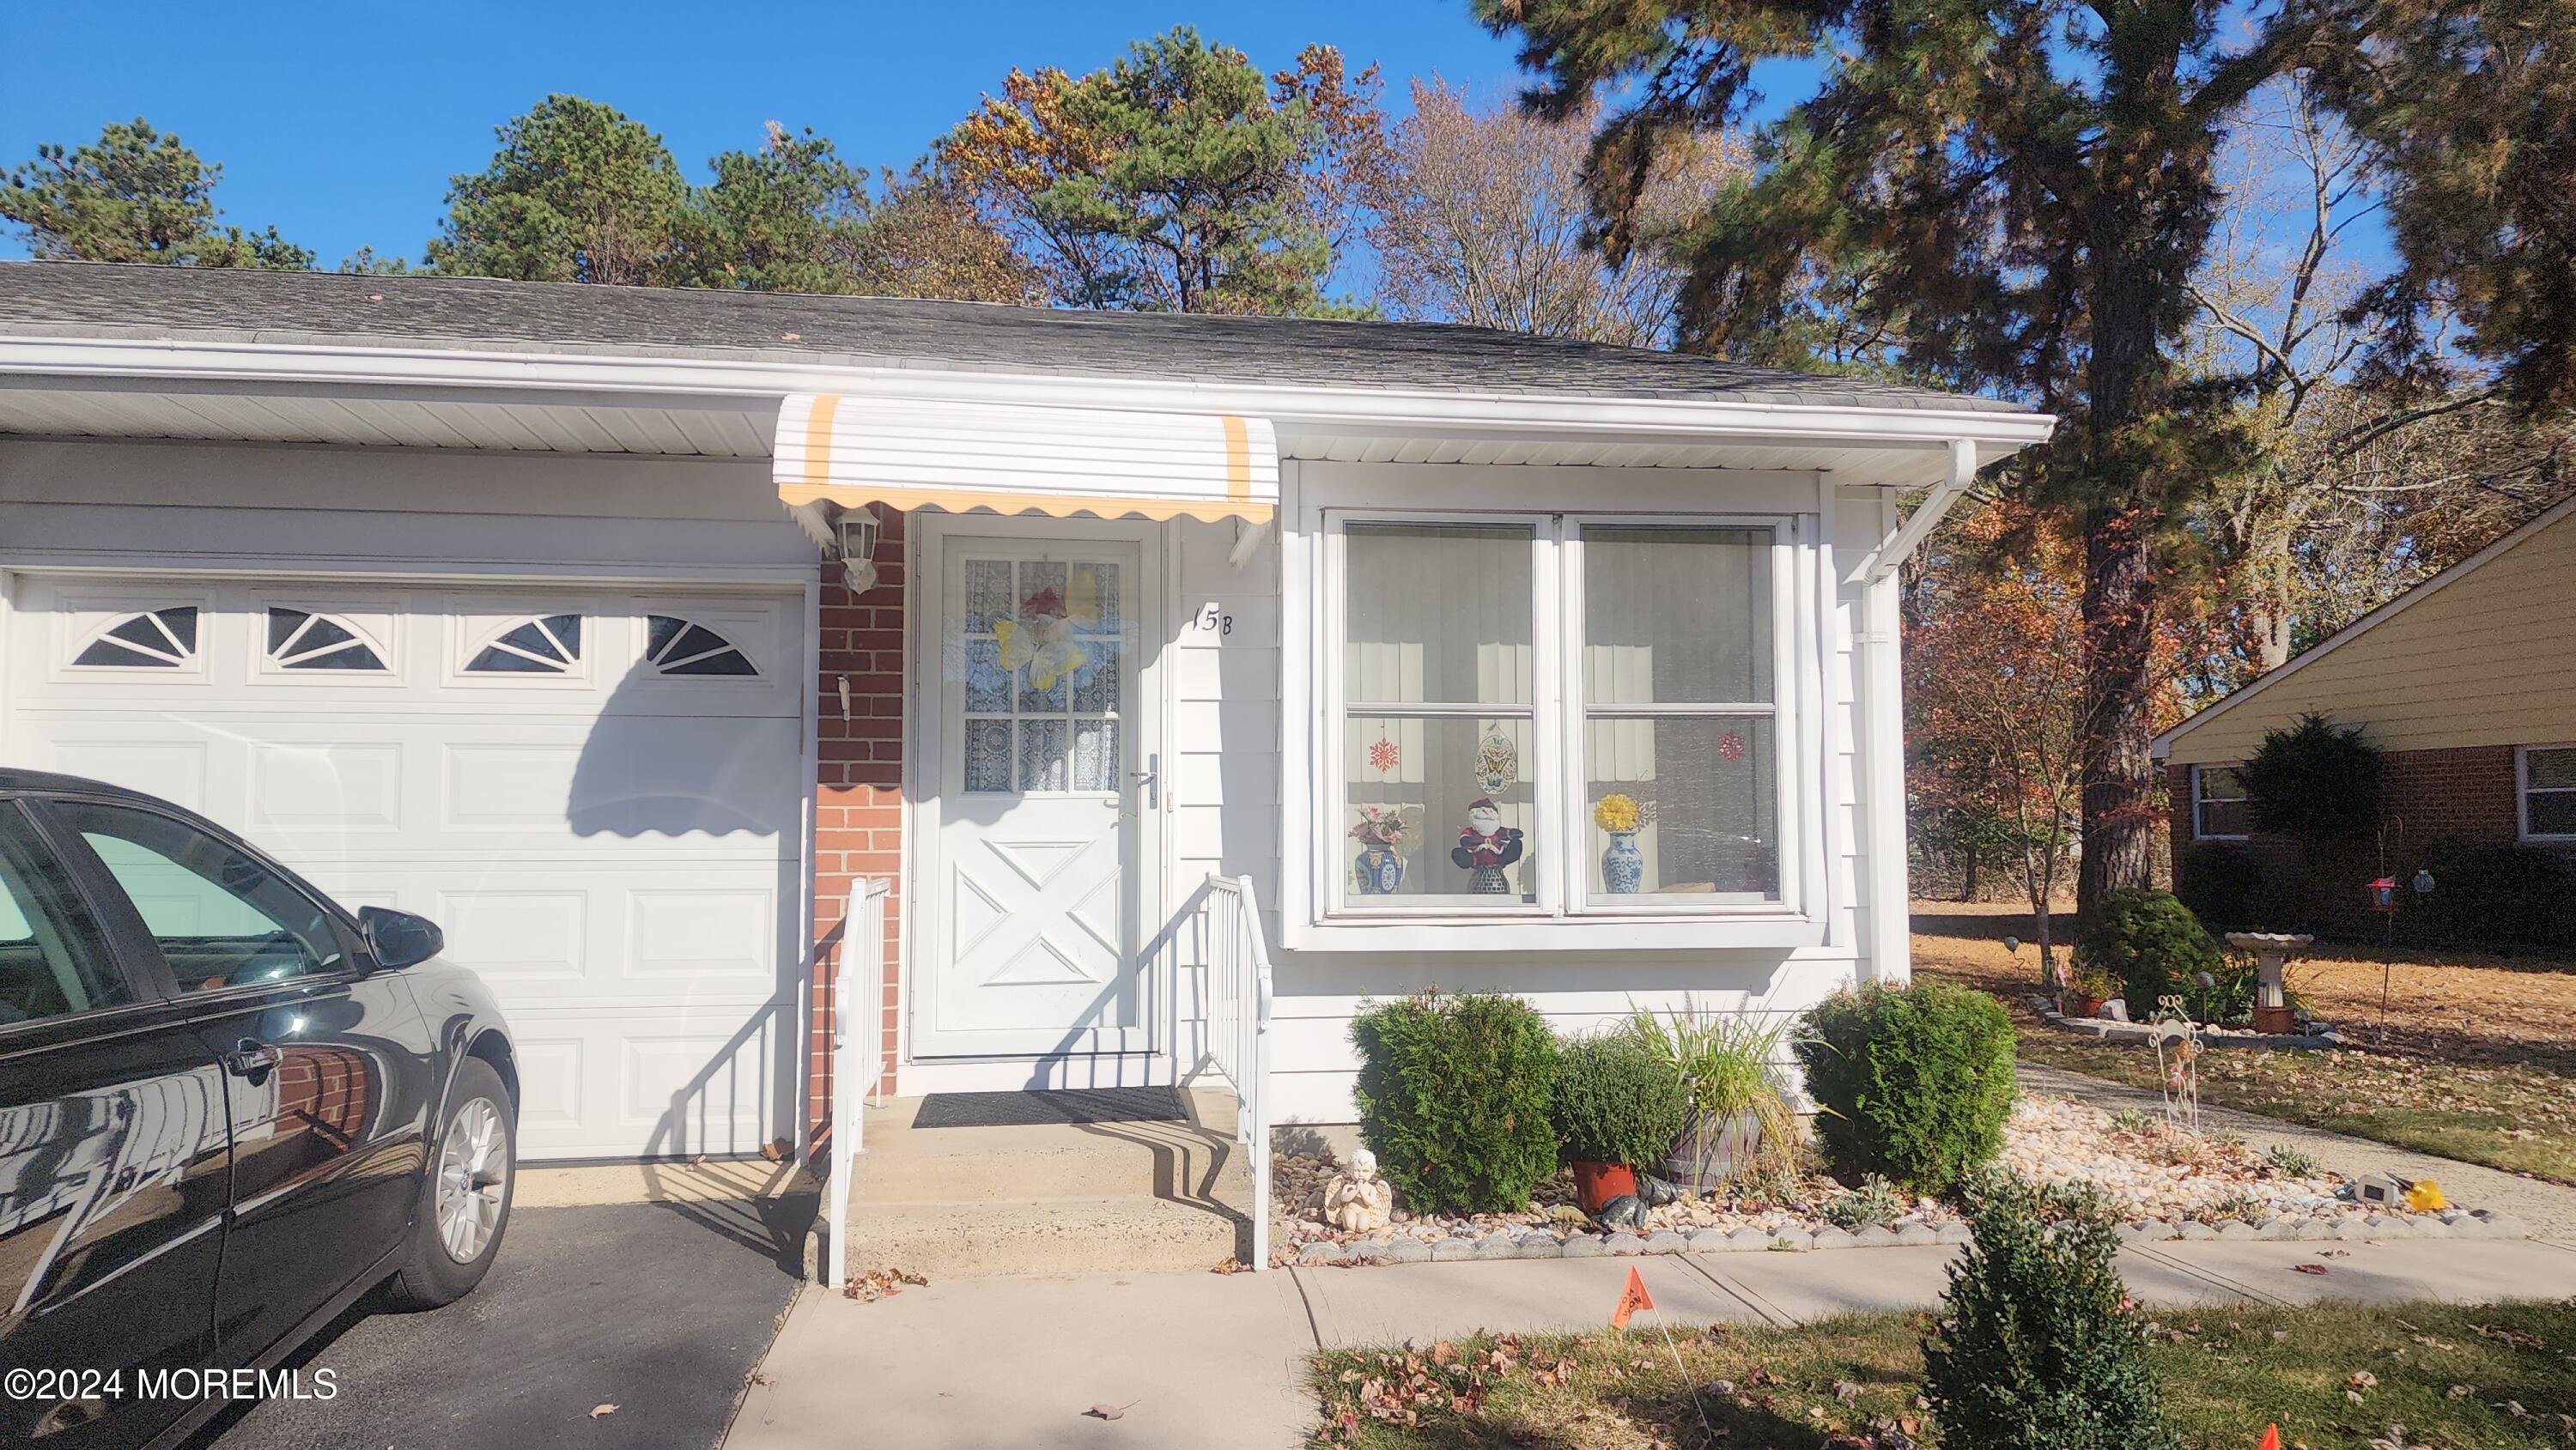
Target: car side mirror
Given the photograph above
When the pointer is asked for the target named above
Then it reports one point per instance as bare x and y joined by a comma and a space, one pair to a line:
398, 938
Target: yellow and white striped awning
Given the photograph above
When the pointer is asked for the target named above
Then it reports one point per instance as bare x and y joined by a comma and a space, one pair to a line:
857, 451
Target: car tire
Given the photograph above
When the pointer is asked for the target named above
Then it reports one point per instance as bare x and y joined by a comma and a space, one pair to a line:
465, 1195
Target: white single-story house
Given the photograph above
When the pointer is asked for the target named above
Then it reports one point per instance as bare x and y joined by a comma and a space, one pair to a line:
635, 635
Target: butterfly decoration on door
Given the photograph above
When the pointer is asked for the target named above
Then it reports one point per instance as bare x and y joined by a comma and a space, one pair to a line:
1042, 637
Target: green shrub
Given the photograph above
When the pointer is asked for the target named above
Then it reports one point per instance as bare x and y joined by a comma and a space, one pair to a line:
2291, 1162
1453, 1094
1617, 1102
2148, 942
2229, 997
1876, 1201
2225, 885
2490, 894
2031, 1349
1912, 1084
2314, 782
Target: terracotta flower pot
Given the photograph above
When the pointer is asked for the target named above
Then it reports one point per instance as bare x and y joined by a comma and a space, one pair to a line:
1597, 1183
2279, 1021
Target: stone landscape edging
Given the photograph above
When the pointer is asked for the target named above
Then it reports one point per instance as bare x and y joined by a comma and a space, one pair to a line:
2141, 1033
1540, 1243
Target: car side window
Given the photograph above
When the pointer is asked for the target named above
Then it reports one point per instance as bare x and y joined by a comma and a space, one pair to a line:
54, 960
223, 918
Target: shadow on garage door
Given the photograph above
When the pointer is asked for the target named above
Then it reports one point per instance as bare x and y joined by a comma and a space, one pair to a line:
660, 1309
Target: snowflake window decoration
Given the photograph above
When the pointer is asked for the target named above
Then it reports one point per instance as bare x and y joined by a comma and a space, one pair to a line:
1382, 756
1730, 746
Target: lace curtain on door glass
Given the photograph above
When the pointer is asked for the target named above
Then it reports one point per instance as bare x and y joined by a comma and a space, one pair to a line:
1042, 664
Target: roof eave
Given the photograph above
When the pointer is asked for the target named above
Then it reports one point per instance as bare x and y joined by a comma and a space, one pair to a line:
201, 364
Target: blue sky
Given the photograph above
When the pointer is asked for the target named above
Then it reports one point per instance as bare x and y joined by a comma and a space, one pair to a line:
340, 123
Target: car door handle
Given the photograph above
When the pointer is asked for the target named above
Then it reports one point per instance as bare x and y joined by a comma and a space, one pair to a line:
252, 1059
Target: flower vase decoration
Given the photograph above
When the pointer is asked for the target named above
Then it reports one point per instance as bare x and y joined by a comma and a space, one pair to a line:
1623, 868
1379, 870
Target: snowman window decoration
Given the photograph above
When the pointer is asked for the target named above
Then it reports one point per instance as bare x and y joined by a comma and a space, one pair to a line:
1485, 847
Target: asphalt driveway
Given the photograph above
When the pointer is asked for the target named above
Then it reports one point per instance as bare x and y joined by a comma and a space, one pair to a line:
660, 1309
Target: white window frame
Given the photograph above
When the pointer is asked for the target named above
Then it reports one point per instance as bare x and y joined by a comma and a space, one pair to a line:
1561, 916
2522, 798
2198, 799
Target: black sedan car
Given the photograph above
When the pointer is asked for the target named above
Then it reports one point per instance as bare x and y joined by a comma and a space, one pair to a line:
228, 1109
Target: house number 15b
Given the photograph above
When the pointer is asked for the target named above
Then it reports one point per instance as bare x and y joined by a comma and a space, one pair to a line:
1214, 620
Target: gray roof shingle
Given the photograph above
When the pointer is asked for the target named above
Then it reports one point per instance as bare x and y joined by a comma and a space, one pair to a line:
87, 299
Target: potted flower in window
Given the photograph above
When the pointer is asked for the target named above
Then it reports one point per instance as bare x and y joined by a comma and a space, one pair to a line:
1379, 830
1623, 869
1618, 1107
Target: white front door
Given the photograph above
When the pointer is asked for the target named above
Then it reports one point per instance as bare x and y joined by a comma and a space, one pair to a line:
1041, 893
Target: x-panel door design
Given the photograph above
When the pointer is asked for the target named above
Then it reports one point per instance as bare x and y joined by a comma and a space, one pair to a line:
1042, 887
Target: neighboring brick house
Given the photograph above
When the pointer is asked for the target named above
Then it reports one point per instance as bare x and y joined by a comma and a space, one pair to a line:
2467, 682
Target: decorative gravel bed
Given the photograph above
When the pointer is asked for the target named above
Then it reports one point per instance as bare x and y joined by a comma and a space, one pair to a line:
2163, 1183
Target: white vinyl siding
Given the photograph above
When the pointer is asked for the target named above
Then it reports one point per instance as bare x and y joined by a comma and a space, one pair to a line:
2484, 655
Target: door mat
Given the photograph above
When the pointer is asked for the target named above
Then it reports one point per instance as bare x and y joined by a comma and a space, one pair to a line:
1030, 1110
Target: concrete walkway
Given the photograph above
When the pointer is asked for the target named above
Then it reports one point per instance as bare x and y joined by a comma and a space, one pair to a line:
2547, 1209
1209, 1361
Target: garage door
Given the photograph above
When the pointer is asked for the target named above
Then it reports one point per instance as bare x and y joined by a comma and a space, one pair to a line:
597, 793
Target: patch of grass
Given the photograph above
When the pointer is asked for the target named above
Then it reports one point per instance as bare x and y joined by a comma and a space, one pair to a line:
2476, 1059
2224, 1374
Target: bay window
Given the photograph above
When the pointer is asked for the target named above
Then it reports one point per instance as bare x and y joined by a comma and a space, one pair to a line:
1551, 717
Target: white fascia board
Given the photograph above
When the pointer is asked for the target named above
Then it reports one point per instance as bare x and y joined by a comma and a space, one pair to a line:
663, 381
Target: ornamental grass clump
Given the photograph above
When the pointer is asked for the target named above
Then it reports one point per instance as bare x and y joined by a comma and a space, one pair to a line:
2034, 1347
1911, 1083
1454, 1094
1616, 1102
1739, 1127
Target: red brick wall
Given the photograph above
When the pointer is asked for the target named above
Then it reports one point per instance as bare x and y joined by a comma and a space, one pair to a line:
2462, 794
858, 793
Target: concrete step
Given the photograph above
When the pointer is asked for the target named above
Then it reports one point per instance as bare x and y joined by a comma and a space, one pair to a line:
1017, 1165
1057, 1198
1052, 1236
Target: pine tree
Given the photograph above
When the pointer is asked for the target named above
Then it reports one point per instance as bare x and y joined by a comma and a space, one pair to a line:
134, 195
2035, 1347
2022, 191
1179, 179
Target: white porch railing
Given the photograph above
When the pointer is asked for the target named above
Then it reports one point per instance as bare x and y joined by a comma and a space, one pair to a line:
1238, 1024
858, 1058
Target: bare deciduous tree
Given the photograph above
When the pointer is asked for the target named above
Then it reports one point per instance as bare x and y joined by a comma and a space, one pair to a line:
1483, 218
2353, 493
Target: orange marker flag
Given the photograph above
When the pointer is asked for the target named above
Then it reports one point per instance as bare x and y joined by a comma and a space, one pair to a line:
2271, 1438
1635, 1297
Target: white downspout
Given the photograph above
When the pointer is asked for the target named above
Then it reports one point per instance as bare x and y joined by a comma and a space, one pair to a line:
1881, 640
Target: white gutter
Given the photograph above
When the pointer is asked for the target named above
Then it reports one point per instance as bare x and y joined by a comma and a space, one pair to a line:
344, 368
1891, 555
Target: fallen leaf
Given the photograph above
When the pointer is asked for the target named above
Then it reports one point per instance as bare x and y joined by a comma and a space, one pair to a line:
2456, 1392
2309, 1268
1108, 1412
600, 1411
1847, 1392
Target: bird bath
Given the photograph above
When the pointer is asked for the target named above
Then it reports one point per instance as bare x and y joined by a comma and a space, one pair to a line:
2272, 951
